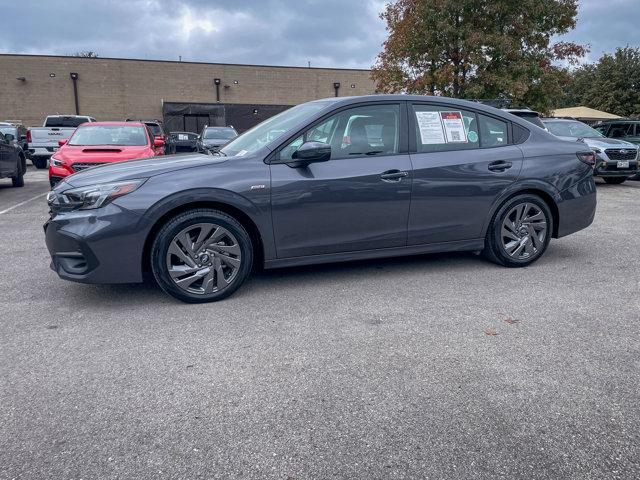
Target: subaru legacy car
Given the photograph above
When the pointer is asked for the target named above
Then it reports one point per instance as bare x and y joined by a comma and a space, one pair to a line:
330, 180
616, 160
97, 143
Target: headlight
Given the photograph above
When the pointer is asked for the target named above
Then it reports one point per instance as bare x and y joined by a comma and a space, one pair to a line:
93, 196
56, 162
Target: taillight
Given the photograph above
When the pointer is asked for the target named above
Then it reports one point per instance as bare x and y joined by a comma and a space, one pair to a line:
28, 136
587, 157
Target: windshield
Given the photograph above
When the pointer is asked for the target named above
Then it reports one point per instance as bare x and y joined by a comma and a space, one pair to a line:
125, 136
572, 129
65, 121
223, 133
267, 131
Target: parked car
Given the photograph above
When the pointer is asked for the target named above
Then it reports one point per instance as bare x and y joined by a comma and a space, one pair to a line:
181, 142
623, 129
526, 114
155, 126
213, 138
627, 130
616, 160
94, 144
13, 163
19, 133
447, 175
43, 141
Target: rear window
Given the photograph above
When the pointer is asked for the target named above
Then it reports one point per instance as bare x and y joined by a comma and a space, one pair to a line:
531, 118
125, 136
65, 121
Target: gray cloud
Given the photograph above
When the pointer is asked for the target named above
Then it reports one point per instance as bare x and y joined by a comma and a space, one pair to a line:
337, 33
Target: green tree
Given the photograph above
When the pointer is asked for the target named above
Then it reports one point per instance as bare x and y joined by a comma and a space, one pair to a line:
612, 84
477, 49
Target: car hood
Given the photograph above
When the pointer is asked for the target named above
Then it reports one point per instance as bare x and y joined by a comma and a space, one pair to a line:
101, 154
600, 142
144, 168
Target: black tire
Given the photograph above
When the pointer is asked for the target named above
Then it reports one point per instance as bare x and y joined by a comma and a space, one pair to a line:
173, 227
18, 179
614, 180
495, 250
40, 163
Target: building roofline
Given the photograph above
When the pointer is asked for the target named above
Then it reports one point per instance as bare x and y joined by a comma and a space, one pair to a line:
181, 62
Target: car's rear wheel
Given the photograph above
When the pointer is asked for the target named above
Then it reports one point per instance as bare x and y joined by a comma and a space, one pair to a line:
39, 163
519, 232
201, 255
614, 180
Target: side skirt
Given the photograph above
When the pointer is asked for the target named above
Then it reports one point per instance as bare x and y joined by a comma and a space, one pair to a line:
458, 246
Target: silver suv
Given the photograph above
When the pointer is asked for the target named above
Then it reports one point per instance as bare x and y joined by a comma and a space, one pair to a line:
616, 160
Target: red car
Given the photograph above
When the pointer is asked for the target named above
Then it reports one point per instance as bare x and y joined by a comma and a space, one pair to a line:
98, 143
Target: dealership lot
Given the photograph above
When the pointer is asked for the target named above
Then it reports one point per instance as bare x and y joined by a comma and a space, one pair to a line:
440, 366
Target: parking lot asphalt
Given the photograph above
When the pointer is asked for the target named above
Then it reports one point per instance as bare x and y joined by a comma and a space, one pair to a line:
440, 366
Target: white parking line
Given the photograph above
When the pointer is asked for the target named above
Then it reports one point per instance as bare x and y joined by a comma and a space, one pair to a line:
22, 203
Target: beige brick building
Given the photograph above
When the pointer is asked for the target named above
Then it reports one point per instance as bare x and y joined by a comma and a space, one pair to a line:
33, 86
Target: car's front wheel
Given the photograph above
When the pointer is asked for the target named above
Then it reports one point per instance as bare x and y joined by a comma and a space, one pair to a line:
202, 255
18, 179
614, 180
519, 232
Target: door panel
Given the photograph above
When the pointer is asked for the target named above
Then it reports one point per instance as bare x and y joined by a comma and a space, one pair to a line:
456, 183
453, 192
340, 206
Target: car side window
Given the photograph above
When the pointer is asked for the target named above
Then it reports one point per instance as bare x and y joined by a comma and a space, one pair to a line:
356, 132
621, 130
441, 129
493, 132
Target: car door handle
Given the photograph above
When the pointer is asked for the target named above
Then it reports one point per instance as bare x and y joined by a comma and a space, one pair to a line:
499, 166
393, 175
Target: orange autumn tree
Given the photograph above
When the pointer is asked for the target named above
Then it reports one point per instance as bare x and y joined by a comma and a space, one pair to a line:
481, 49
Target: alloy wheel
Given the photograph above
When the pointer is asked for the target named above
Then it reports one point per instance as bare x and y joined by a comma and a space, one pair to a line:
524, 231
203, 258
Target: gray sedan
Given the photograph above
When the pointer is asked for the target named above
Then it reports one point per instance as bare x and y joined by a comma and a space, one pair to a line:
330, 180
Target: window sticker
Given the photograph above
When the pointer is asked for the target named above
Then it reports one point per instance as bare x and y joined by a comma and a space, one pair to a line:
473, 137
454, 127
431, 131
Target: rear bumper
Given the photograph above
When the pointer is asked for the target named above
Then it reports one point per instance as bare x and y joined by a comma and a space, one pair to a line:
96, 246
577, 209
41, 152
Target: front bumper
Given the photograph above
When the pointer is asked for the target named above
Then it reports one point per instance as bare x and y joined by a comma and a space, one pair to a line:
96, 246
609, 168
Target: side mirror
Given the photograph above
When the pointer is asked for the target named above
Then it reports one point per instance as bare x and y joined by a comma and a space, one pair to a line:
61, 142
158, 142
10, 138
310, 152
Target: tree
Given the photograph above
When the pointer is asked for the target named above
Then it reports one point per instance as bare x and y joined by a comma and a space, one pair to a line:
86, 54
611, 84
477, 49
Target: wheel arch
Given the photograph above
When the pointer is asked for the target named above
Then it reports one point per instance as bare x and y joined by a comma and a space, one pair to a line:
245, 220
546, 194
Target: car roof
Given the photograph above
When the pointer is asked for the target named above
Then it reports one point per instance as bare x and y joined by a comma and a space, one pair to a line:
621, 120
552, 119
520, 110
456, 102
116, 124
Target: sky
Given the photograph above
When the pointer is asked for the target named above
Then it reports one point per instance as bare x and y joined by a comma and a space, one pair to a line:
327, 33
